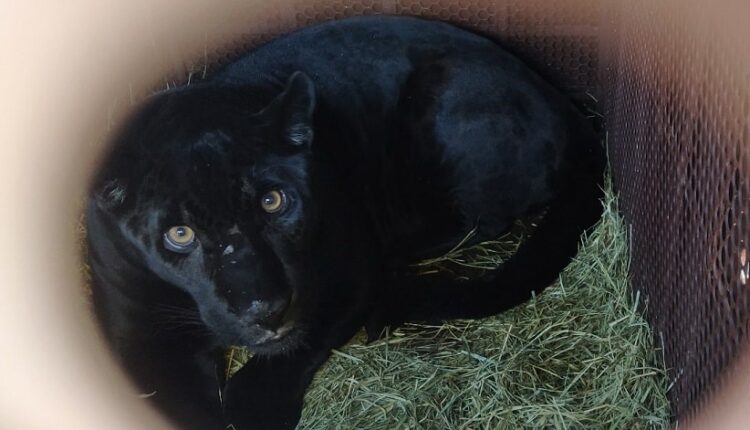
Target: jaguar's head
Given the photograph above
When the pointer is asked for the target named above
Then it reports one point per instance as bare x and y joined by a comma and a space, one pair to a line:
209, 189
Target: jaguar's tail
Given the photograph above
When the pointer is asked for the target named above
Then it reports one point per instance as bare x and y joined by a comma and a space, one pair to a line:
536, 264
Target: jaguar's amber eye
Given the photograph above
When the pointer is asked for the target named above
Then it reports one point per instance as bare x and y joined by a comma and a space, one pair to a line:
273, 201
179, 238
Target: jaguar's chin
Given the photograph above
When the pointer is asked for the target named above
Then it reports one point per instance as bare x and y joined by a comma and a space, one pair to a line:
283, 340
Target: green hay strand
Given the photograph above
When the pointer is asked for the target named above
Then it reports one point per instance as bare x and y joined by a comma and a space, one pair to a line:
579, 356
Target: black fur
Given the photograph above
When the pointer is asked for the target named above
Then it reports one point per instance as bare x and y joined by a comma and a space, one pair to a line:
391, 139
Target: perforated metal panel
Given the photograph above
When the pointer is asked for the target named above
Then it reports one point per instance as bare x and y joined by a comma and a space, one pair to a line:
673, 80
676, 88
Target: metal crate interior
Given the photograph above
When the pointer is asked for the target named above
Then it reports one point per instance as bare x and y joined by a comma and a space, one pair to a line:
671, 81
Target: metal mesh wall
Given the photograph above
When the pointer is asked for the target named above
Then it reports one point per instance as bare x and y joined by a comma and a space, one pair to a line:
672, 77
675, 82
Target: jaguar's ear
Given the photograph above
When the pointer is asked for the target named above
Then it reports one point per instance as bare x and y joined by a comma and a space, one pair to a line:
294, 107
110, 194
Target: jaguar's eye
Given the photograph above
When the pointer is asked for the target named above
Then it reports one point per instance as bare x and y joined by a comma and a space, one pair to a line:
273, 201
179, 238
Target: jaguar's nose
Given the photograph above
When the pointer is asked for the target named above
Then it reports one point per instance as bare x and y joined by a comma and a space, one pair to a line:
266, 313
